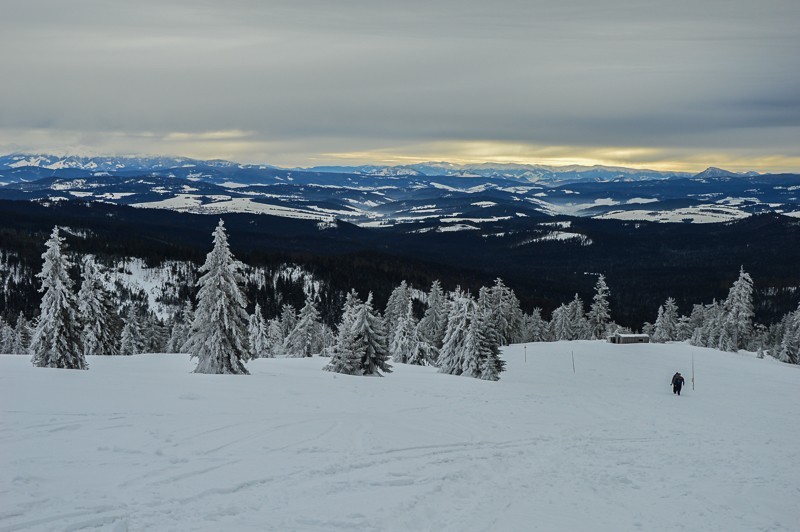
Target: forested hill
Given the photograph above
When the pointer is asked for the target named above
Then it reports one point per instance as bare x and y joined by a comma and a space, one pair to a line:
546, 260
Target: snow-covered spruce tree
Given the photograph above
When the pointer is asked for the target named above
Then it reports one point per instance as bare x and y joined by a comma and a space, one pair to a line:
534, 327
560, 326
452, 355
257, 334
709, 330
305, 338
481, 351
580, 324
401, 343
788, 349
6, 337
396, 306
433, 324
345, 357
328, 339
56, 342
506, 315
275, 337
738, 308
133, 341
684, 330
154, 332
659, 335
422, 353
288, 320
600, 311
218, 336
665, 328
181, 325
98, 314
760, 339
371, 342
22, 336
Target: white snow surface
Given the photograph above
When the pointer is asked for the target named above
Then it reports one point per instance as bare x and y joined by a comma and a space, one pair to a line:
140, 443
222, 204
698, 214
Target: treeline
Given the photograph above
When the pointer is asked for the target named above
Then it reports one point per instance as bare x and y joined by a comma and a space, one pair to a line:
645, 263
457, 331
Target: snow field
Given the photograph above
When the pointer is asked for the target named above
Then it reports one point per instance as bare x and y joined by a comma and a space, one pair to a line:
140, 443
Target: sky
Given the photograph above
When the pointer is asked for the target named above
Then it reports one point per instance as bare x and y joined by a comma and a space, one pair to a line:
668, 85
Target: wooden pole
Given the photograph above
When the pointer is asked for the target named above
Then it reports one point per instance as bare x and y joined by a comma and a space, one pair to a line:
692, 370
573, 361
526, 354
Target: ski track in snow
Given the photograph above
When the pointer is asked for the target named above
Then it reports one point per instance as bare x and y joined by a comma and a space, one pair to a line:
140, 443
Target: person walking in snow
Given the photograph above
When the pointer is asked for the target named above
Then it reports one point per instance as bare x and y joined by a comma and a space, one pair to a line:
677, 383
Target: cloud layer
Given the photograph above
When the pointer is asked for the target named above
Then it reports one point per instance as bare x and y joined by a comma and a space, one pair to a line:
645, 82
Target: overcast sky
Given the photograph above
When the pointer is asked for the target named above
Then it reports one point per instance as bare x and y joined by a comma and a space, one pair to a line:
680, 84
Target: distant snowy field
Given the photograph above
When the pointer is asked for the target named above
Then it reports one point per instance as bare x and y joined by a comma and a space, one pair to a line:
140, 443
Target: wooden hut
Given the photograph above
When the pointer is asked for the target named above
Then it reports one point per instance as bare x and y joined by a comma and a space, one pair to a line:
618, 338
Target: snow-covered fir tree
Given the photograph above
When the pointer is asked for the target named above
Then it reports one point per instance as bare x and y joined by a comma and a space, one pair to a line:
328, 339
726, 325
482, 344
788, 348
6, 337
22, 336
288, 320
560, 324
133, 341
257, 334
422, 352
396, 306
433, 324
709, 332
737, 327
402, 339
665, 328
569, 322
580, 324
452, 355
505, 316
275, 337
371, 342
345, 357
534, 328
98, 314
684, 329
305, 339
218, 336
600, 311
154, 331
56, 342
181, 325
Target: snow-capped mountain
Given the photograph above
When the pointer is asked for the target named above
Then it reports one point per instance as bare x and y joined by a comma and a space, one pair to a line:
525, 172
100, 164
712, 171
377, 195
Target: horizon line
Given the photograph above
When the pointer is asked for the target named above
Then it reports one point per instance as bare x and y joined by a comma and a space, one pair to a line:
486, 163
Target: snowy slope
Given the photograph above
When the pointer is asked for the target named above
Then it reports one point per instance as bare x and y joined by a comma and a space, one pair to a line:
140, 443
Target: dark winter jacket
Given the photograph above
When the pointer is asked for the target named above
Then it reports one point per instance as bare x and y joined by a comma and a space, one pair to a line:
677, 380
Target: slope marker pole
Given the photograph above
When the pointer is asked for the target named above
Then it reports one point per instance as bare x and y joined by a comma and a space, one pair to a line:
573, 361
692, 370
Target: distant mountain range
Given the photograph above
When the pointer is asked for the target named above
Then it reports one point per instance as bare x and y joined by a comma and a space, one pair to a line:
431, 196
548, 234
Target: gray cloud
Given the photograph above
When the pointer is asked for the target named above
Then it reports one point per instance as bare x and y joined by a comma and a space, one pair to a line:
317, 77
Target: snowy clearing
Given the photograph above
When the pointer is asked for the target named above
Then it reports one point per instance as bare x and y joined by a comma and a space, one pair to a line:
701, 214
140, 443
